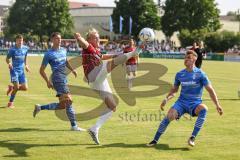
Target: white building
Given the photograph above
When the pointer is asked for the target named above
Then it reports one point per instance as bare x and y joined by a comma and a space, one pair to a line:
96, 17
3, 10
230, 23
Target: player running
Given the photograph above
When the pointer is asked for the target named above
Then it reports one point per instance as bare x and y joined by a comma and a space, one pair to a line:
56, 57
192, 81
131, 64
96, 70
18, 55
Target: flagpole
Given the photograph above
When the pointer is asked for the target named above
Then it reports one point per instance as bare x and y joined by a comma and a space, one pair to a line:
120, 25
110, 27
130, 27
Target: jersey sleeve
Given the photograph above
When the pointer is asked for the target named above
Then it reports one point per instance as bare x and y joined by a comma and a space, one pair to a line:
176, 81
204, 79
45, 60
90, 49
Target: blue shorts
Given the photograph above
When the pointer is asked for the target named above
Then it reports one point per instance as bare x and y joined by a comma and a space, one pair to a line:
184, 106
18, 77
61, 88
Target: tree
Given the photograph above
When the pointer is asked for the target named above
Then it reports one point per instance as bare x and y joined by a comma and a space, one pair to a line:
170, 21
143, 13
231, 13
187, 38
222, 41
122, 9
191, 15
35, 17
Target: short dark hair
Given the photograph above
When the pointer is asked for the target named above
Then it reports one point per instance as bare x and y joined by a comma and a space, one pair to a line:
192, 52
55, 34
18, 36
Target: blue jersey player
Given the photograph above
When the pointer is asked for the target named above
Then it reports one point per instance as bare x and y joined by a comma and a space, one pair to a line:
192, 81
56, 57
18, 56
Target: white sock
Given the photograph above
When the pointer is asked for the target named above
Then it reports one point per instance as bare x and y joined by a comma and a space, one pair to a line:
134, 53
124, 57
130, 83
131, 54
101, 120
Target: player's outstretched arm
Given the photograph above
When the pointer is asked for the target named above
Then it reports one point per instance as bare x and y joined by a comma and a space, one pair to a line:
170, 95
214, 98
44, 76
81, 41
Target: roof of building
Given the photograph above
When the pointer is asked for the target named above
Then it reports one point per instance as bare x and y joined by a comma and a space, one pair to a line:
91, 11
228, 18
73, 5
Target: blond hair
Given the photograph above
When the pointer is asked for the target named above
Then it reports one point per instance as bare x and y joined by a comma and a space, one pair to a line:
91, 31
192, 52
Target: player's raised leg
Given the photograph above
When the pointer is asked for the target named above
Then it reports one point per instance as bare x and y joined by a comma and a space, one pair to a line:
38, 108
122, 59
64, 103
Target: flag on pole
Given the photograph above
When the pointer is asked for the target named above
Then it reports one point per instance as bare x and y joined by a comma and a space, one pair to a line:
120, 24
130, 25
110, 24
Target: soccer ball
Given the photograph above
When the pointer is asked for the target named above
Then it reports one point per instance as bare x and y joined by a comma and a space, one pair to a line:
146, 35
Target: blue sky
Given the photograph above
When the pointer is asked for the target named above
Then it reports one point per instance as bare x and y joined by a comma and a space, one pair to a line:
224, 5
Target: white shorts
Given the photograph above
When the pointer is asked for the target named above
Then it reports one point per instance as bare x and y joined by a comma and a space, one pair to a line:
131, 68
98, 80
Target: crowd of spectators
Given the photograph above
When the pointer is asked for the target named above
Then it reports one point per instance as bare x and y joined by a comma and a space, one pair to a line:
70, 45
234, 50
111, 47
154, 47
114, 47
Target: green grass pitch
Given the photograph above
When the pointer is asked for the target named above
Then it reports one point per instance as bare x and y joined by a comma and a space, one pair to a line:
124, 136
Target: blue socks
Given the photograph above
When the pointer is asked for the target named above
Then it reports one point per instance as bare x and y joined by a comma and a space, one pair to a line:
71, 115
200, 120
198, 125
162, 127
12, 97
69, 111
51, 106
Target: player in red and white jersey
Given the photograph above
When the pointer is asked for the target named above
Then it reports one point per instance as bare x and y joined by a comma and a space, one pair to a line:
131, 64
96, 70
